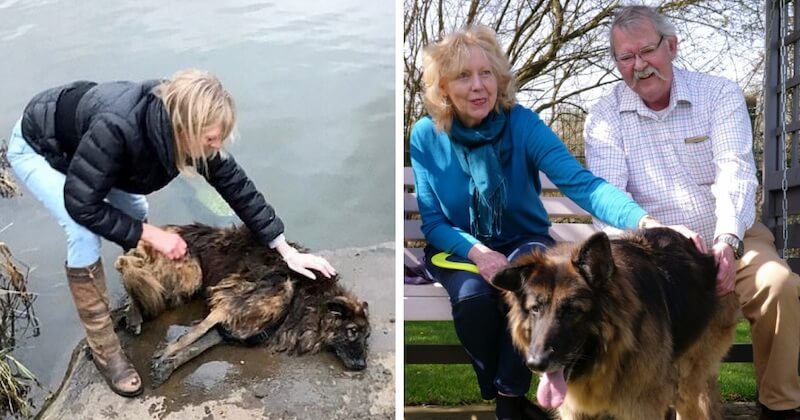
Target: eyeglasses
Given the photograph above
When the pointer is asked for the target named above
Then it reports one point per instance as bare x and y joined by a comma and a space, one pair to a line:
644, 53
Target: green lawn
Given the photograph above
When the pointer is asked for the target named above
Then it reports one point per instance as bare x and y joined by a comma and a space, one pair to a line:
456, 384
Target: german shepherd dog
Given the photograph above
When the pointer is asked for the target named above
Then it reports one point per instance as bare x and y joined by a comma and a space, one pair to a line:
621, 328
252, 295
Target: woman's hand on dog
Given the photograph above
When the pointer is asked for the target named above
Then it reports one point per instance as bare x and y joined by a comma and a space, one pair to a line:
648, 222
304, 263
488, 261
168, 243
695, 237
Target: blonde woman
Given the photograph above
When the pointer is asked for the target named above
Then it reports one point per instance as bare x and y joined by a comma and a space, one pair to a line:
476, 161
90, 152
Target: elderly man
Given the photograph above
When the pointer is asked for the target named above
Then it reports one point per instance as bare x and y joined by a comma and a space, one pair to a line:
680, 144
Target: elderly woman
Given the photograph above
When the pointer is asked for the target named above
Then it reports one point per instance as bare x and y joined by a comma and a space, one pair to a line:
476, 162
90, 151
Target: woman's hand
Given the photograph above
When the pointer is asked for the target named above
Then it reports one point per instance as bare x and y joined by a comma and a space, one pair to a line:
304, 263
301, 263
696, 238
489, 261
168, 243
648, 222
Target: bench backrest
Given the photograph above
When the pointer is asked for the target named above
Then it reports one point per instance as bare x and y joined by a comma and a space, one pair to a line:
430, 302
570, 222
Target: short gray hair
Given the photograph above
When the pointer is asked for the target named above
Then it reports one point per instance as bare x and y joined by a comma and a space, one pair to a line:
628, 17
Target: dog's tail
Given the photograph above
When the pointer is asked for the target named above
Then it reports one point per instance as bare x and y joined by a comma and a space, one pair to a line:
141, 283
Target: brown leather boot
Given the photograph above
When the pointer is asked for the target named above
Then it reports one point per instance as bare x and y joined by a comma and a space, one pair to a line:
88, 287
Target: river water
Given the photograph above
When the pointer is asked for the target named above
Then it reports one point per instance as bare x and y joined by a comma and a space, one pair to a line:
314, 87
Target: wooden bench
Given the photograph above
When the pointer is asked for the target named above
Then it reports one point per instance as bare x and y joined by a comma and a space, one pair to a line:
429, 302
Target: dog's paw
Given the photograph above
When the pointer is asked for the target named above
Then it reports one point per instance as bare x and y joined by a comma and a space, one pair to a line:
119, 319
133, 320
127, 319
158, 353
160, 370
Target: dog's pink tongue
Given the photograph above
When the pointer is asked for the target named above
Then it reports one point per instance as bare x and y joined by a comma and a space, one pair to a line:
552, 389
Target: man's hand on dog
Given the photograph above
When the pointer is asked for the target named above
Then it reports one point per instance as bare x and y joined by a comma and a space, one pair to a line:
168, 243
726, 268
723, 257
488, 261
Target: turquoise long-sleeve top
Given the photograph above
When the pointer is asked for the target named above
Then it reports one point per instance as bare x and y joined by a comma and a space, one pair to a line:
443, 186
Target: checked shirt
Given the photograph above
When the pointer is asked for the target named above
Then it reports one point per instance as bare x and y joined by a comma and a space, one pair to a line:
690, 164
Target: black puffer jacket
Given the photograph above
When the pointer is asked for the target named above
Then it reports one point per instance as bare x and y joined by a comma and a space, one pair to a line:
126, 142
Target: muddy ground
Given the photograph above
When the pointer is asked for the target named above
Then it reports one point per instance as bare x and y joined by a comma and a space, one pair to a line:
230, 382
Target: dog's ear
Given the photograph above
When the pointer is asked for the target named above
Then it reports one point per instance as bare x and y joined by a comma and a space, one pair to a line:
594, 260
512, 277
340, 307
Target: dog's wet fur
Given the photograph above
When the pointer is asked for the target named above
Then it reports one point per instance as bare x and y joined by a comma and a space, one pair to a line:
621, 328
252, 296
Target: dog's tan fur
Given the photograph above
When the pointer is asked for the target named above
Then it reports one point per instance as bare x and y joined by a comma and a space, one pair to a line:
157, 283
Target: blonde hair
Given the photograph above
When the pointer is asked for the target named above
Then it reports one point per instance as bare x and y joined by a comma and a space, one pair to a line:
196, 101
444, 60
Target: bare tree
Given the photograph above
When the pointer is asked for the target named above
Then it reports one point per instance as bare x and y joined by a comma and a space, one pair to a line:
558, 49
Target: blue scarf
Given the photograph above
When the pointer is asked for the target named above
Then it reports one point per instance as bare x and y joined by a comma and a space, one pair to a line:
479, 152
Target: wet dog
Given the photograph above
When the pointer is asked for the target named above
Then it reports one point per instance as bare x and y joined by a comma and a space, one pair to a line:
252, 296
621, 328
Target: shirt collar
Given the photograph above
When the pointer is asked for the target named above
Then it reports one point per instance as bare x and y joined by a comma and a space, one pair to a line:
631, 102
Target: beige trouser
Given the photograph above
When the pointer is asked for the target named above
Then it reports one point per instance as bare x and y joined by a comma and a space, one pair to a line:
768, 293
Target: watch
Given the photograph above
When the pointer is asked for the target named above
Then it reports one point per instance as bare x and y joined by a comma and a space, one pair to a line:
734, 242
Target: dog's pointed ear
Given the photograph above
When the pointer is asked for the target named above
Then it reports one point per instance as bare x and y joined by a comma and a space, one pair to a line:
594, 260
340, 307
511, 277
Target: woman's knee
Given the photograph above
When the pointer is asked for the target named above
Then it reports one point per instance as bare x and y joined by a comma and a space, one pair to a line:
23, 160
479, 301
83, 246
472, 292
481, 308
134, 205
140, 208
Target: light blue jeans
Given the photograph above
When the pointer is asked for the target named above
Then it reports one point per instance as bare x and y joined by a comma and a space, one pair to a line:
47, 185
